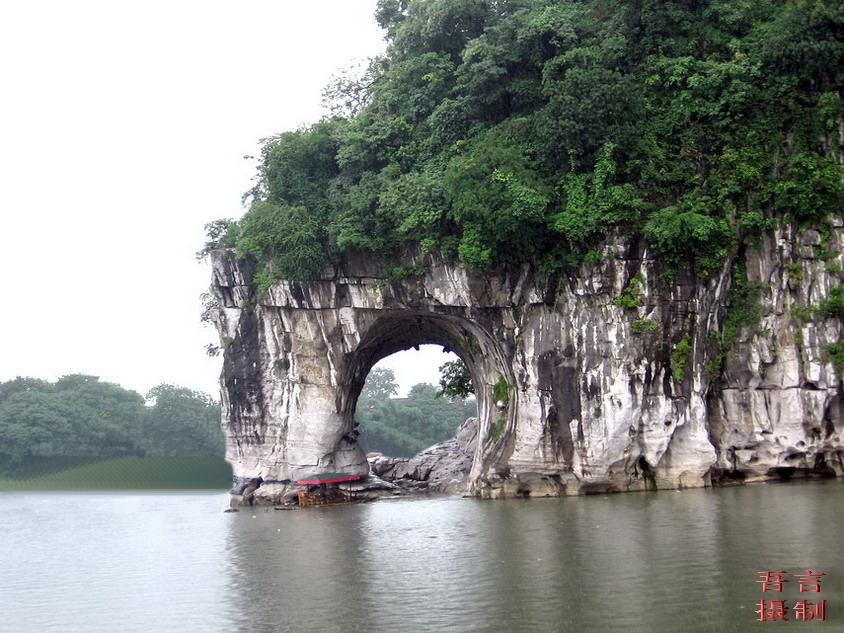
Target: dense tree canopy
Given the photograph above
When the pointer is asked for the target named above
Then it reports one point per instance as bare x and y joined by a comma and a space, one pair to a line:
380, 384
401, 427
502, 131
455, 380
80, 416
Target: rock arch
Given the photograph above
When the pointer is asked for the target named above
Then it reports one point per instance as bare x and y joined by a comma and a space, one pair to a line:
295, 363
597, 396
403, 330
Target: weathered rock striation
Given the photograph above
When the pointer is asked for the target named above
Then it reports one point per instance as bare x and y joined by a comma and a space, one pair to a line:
609, 379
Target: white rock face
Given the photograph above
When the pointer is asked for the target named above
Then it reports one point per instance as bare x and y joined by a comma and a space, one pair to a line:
610, 380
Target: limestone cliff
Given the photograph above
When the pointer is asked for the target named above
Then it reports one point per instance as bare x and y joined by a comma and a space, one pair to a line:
610, 378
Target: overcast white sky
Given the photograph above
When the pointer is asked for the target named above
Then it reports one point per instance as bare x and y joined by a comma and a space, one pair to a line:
123, 131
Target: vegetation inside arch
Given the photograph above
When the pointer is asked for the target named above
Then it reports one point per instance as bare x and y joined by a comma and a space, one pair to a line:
504, 131
427, 415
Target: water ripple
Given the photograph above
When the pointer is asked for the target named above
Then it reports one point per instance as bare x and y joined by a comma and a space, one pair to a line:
638, 563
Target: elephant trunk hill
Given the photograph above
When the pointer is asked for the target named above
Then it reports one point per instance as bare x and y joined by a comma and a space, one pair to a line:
599, 379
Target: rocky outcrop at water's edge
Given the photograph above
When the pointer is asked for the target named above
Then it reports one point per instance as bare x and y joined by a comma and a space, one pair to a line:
440, 468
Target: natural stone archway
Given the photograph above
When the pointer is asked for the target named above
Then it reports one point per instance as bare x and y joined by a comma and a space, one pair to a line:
295, 364
609, 379
407, 329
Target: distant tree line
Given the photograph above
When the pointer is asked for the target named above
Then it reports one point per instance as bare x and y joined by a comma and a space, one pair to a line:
401, 427
78, 415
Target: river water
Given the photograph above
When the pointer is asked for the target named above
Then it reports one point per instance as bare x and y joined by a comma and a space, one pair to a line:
642, 562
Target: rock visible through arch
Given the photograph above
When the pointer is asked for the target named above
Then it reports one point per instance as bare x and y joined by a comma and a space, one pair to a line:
592, 388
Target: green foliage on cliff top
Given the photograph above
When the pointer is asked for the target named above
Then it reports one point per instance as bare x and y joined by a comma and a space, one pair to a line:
502, 131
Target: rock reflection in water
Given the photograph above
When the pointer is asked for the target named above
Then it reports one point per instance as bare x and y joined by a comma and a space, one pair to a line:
375, 567
638, 563
641, 562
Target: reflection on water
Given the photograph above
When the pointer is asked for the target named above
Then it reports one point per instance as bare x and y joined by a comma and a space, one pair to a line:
109, 562
670, 561
640, 562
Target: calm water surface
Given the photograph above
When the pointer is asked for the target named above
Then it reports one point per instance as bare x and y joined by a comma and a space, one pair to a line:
671, 561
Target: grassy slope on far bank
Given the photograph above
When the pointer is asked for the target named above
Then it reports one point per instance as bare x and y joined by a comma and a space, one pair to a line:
122, 473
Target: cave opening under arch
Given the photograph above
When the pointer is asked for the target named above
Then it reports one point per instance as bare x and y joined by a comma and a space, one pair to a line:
402, 410
407, 330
